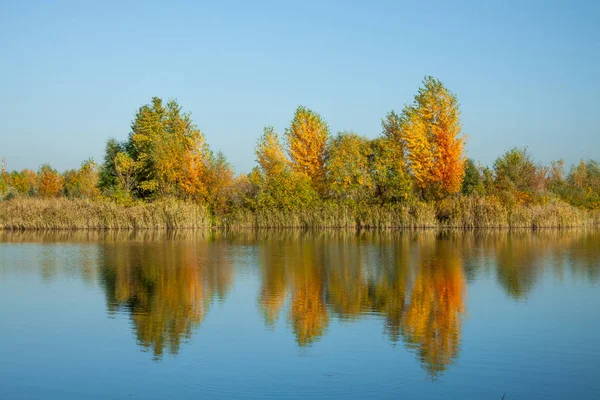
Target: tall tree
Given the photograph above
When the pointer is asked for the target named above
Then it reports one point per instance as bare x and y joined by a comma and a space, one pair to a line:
275, 185
431, 131
388, 171
50, 181
307, 139
108, 174
269, 153
348, 167
472, 182
168, 149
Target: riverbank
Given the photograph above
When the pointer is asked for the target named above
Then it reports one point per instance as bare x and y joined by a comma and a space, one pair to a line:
461, 212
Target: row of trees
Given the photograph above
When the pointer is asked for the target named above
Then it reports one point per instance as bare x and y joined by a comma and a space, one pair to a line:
418, 156
420, 153
48, 182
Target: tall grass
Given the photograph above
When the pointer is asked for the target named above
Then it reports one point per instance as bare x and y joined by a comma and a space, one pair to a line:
468, 212
61, 213
460, 212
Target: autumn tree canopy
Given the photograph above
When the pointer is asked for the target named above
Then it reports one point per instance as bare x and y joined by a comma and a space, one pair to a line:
307, 144
431, 132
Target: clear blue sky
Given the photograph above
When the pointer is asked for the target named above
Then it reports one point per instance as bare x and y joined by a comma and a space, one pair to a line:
74, 73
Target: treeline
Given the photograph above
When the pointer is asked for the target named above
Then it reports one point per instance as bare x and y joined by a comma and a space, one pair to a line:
417, 166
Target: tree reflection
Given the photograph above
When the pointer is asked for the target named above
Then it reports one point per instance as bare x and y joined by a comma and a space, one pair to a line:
166, 287
433, 318
414, 282
308, 314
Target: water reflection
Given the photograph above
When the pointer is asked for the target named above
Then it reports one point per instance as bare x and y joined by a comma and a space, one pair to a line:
166, 287
415, 283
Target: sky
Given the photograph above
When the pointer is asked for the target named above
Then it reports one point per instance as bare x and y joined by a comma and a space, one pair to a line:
73, 73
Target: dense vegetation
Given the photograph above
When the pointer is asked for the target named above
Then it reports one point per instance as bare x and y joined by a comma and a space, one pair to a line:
414, 174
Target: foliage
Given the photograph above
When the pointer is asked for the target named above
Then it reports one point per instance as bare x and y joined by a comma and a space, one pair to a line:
388, 171
108, 173
83, 182
582, 185
276, 184
472, 181
409, 176
348, 173
431, 132
219, 180
517, 178
307, 139
269, 154
50, 181
167, 148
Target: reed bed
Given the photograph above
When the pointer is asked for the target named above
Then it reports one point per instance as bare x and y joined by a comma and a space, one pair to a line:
460, 212
61, 213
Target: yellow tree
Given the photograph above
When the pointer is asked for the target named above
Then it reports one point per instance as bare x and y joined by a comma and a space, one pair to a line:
24, 182
219, 181
431, 132
88, 179
269, 153
50, 181
348, 167
275, 184
307, 139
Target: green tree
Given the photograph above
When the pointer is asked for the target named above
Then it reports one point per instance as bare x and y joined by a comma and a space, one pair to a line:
472, 182
517, 177
162, 142
387, 168
108, 178
348, 175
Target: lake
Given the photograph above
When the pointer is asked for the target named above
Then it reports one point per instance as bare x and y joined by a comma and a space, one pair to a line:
291, 314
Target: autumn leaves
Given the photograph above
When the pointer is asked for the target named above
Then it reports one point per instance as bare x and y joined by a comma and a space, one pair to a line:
419, 155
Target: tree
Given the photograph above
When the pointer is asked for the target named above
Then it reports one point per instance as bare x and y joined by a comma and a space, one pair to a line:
388, 172
582, 186
472, 182
307, 139
83, 182
219, 181
70, 183
50, 181
348, 167
516, 171
24, 182
275, 184
392, 129
431, 132
269, 153
108, 175
88, 177
168, 150
125, 169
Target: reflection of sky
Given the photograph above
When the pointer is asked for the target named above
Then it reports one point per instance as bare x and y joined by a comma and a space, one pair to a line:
56, 340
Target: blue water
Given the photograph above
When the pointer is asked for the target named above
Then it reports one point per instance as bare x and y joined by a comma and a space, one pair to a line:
287, 314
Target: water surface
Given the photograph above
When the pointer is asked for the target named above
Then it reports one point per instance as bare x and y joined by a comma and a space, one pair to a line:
332, 314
